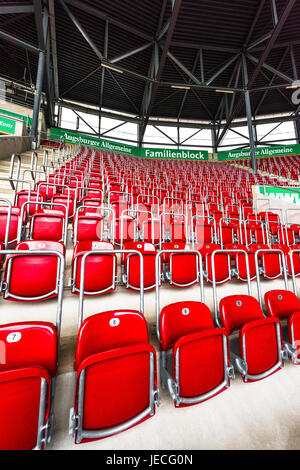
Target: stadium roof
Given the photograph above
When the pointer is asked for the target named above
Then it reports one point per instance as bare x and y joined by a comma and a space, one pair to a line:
179, 59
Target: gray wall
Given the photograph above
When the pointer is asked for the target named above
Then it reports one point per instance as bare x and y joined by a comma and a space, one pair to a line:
13, 144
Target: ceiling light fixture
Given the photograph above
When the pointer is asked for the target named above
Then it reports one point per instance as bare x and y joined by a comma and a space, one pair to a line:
110, 67
224, 91
184, 87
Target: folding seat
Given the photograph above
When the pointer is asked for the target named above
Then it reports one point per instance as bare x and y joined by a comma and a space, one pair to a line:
239, 259
131, 265
9, 215
115, 373
27, 376
125, 229
195, 364
257, 351
100, 269
174, 271
226, 232
33, 196
270, 263
48, 224
295, 256
88, 224
34, 277
285, 306
287, 235
91, 202
179, 230
66, 201
150, 231
296, 229
204, 230
222, 263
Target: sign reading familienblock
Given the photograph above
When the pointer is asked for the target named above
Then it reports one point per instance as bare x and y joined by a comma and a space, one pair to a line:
173, 154
8, 126
260, 152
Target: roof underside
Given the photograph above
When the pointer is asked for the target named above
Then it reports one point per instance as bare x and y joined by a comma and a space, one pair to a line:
217, 29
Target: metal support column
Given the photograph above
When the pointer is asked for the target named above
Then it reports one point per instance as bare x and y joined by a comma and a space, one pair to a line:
297, 130
37, 101
214, 140
140, 135
38, 90
249, 115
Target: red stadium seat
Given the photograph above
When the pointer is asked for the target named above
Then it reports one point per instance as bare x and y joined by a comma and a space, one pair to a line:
198, 368
285, 305
131, 265
260, 347
115, 366
100, 269
34, 277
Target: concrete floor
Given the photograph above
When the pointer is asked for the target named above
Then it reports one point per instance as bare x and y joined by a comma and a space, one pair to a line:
261, 415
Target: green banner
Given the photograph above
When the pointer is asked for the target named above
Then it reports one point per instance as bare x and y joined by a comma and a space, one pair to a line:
73, 137
27, 119
8, 126
291, 195
260, 152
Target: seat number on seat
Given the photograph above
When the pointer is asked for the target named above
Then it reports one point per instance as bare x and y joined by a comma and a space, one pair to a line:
114, 322
185, 311
14, 337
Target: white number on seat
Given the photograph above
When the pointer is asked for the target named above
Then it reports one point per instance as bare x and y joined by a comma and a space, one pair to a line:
13, 337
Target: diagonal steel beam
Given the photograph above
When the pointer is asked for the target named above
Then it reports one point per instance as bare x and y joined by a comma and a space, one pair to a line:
254, 22
82, 80
122, 89
166, 135
283, 57
19, 42
116, 59
82, 31
273, 38
270, 68
259, 40
194, 133
80, 117
194, 92
113, 128
186, 91
221, 70
97, 13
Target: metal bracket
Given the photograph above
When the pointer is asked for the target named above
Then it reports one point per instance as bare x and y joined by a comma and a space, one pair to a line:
239, 364
71, 282
230, 372
156, 396
74, 421
3, 286
289, 351
234, 272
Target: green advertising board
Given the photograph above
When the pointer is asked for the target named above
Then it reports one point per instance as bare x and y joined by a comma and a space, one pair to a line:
8, 126
291, 195
27, 119
260, 152
72, 137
